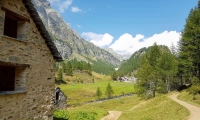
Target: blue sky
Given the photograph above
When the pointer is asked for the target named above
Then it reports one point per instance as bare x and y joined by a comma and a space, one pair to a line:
128, 25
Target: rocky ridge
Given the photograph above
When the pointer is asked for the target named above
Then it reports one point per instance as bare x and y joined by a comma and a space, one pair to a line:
68, 41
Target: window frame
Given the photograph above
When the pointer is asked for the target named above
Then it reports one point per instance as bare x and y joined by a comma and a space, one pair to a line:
21, 20
23, 68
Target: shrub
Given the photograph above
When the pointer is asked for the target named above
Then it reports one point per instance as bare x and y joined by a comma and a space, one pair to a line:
195, 81
194, 90
60, 115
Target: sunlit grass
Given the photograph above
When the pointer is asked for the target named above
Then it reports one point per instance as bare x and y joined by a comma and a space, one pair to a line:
159, 108
101, 108
190, 98
133, 108
78, 93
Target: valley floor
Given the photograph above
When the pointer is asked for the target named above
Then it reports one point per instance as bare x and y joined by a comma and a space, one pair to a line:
130, 108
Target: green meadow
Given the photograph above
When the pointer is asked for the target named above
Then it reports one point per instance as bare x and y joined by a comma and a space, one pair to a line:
132, 107
81, 88
83, 92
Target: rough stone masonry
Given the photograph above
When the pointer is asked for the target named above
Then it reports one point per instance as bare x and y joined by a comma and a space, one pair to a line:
32, 98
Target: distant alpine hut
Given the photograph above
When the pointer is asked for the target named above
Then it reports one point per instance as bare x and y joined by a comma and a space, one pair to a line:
60, 100
27, 63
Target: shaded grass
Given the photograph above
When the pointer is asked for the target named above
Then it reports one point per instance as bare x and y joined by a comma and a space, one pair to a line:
190, 98
159, 108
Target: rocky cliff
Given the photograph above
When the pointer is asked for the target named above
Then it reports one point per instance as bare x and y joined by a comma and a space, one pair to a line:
68, 41
119, 57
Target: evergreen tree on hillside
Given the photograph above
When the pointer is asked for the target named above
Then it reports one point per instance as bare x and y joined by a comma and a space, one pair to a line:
60, 74
153, 60
190, 45
98, 66
157, 73
98, 93
109, 91
144, 76
79, 65
69, 70
168, 69
133, 63
89, 69
114, 76
64, 67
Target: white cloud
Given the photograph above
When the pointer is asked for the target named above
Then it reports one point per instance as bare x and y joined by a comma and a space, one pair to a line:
53, 1
75, 9
61, 5
79, 26
127, 44
64, 5
101, 40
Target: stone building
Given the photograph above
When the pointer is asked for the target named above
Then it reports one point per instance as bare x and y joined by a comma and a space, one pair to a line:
27, 60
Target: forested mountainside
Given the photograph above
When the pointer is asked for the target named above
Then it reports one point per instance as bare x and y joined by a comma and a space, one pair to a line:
68, 42
134, 62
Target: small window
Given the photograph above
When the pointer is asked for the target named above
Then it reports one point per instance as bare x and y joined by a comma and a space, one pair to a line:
7, 78
13, 77
15, 25
10, 27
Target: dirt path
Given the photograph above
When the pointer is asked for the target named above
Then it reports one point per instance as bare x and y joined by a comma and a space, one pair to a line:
194, 111
112, 115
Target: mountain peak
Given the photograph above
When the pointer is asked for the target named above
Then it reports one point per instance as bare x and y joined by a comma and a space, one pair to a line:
67, 40
45, 3
118, 56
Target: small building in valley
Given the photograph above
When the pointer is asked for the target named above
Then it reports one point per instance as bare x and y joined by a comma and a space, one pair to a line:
27, 63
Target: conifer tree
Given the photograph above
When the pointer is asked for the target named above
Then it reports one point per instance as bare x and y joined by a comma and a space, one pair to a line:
89, 69
98, 93
79, 66
64, 67
109, 91
69, 70
60, 74
190, 45
114, 75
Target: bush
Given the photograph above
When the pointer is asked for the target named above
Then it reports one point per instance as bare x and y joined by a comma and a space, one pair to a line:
195, 81
86, 116
60, 115
194, 90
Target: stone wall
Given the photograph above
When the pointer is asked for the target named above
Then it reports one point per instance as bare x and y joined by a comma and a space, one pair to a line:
36, 82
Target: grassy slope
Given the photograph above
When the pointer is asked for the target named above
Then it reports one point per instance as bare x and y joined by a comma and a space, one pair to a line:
190, 98
159, 108
99, 109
